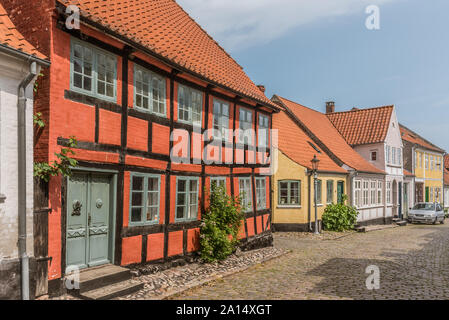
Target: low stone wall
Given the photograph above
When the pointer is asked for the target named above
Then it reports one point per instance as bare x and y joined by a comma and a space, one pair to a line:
387, 220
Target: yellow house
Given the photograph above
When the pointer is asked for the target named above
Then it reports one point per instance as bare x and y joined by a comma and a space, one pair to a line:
426, 161
302, 134
293, 183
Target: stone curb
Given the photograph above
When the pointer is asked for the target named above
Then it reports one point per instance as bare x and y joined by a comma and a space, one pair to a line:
171, 293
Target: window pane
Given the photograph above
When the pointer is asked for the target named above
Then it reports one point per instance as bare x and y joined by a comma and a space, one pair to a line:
153, 198
110, 90
87, 84
180, 212
136, 215
77, 66
181, 185
181, 199
137, 199
101, 88
137, 183
153, 184
152, 214
78, 80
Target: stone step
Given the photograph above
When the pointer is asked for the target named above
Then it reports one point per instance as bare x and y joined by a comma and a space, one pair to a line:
114, 290
109, 274
375, 227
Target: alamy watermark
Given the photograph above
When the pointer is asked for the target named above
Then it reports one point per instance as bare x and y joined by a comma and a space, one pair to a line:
72, 278
372, 22
373, 280
73, 19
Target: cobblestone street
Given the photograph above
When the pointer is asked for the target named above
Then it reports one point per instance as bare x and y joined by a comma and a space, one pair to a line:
413, 262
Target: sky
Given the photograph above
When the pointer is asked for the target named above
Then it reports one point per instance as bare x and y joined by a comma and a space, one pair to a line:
313, 51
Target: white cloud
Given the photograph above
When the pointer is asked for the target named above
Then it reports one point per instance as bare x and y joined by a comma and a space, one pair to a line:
245, 23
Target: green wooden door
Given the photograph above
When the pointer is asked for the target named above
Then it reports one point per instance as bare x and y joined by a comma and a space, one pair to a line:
89, 217
427, 194
340, 191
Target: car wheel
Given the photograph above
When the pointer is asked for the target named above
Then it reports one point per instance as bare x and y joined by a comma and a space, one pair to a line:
442, 221
435, 222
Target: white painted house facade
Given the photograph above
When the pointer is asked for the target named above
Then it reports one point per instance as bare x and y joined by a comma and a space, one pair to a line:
17, 58
375, 134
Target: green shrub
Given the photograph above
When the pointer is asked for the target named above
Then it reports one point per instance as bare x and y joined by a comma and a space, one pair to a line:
220, 226
339, 217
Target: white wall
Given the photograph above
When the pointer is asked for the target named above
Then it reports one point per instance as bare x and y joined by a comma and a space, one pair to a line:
446, 197
12, 71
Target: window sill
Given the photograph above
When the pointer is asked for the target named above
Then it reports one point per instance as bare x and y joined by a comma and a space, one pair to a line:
149, 112
186, 220
288, 207
93, 95
143, 224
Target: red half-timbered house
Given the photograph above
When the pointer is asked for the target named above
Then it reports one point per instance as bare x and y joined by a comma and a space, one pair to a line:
136, 74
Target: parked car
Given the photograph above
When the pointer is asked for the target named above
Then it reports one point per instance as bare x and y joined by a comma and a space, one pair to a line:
427, 212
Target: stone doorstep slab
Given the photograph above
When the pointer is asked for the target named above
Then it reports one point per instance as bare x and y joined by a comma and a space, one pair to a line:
376, 227
199, 283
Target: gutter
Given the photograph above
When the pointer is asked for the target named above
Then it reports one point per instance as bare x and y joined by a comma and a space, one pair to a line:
23, 55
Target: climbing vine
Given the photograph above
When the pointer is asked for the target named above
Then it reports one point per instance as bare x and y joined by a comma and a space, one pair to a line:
64, 162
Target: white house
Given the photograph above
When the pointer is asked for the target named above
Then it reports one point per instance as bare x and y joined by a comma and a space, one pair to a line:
446, 182
375, 134
20, 62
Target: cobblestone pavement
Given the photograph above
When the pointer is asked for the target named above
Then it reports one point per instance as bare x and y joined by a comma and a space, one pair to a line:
413, 263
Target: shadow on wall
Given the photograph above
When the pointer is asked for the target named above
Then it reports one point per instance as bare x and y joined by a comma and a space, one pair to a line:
404, 275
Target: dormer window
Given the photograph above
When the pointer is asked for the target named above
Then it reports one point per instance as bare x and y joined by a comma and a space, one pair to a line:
373, 155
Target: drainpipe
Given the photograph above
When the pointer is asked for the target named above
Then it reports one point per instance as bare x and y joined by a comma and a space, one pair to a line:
309, 195
21, 145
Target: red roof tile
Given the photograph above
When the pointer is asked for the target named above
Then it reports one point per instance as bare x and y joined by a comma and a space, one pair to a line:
11, 37
298, 146
320, 126
408, 173
412, 137
165, 29
363, 126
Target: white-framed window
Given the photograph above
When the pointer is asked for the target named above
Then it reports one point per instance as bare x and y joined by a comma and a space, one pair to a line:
400, 156
373, 192
380, 186
439, 163
432, 163
190, 105
186, 198
261, 193
319, 192
388, 152
218, 182
358, 193
149, 91
245, 193
389, 198
263, 131
245, 126
289, 193
93, 71
145, 199
365, 193
393, 156
427, 162
330, 191
221, 119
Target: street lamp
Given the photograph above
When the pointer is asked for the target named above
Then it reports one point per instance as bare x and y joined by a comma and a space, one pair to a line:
315, 164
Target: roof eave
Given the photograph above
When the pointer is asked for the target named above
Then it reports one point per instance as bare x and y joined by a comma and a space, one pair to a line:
23, 55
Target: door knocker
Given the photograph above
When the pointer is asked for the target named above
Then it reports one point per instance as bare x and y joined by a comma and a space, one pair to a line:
77, 208
99, 203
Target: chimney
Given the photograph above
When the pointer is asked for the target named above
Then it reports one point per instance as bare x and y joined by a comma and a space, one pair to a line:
330, 107
261, 88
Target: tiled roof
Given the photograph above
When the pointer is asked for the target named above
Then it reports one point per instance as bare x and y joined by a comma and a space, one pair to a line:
11, 37
320, 126
363, 126
408, 173
299, 147
165, 29
412, 137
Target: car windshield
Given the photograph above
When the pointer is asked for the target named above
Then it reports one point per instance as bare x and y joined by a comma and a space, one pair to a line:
425, 206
